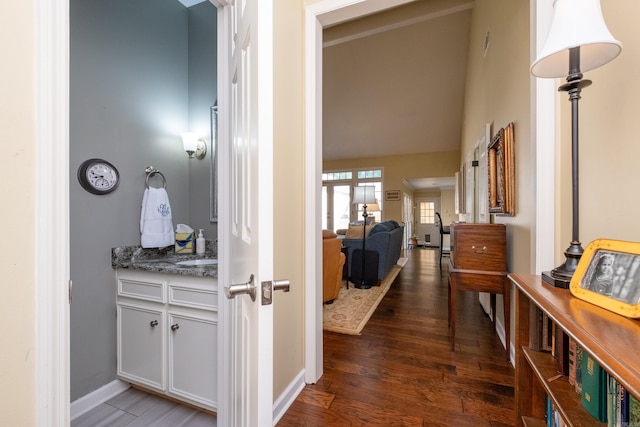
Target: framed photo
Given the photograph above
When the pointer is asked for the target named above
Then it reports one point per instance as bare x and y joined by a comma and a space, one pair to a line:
501, 163
608, 275
392, 195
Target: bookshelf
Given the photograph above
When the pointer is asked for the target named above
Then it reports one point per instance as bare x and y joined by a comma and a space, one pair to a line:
612, 340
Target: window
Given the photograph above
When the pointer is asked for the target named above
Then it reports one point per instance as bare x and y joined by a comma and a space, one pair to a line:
376, 173
353, 178
337, 176
427, 213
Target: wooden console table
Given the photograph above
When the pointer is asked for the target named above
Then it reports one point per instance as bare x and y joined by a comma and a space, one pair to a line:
478, 263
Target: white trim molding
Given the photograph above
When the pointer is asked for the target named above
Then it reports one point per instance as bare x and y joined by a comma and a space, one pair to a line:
97, 397
396, 25
52, 214
543, 116
318, 16
288, 396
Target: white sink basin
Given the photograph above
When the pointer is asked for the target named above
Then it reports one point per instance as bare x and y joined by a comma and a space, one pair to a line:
197, 262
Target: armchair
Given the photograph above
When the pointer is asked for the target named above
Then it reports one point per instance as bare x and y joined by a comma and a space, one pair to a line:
332, 263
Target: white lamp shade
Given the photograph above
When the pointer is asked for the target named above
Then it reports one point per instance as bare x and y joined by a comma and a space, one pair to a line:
190, 141
364, 195
373, 207
576, 23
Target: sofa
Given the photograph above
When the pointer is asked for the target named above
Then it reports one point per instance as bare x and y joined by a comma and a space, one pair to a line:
385, 238
332, 263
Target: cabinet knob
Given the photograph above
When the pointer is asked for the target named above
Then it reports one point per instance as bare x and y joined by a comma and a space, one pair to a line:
479, 251
175, 327
153, 323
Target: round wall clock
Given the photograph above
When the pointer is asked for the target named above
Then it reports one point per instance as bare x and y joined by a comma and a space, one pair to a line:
98, 176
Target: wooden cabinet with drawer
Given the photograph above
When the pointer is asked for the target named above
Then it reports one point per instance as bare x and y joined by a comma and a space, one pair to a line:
479, 246
478, 262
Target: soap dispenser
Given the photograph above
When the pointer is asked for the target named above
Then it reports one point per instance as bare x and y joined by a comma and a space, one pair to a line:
200, 243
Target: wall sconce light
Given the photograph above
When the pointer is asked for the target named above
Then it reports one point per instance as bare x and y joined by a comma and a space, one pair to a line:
194, 146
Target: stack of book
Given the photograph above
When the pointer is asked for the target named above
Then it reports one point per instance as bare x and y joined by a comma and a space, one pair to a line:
605, 398
545, 336
600, 393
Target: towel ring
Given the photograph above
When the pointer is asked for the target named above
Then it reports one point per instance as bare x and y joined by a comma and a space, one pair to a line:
151, 171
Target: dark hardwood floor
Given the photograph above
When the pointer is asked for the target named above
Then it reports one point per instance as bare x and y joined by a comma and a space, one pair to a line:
401, 370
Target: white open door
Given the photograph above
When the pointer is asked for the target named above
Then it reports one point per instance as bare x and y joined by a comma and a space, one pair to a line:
245, 227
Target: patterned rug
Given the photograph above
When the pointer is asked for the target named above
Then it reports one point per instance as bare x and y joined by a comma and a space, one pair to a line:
351, 311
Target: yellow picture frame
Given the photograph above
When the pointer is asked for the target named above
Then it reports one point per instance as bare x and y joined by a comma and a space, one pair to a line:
608, 275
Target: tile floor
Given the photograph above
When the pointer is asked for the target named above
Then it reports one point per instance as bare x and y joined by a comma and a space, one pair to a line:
135, 408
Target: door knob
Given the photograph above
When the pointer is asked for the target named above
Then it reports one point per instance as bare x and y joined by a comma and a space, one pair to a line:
248, 288
269, 286
281, 285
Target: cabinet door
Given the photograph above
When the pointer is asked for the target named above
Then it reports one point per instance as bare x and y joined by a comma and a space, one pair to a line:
141, 345
193, 358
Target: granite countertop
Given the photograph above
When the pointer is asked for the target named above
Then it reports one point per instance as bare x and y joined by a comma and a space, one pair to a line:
162, 260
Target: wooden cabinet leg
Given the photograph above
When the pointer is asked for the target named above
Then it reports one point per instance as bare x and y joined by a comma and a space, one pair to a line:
492, 306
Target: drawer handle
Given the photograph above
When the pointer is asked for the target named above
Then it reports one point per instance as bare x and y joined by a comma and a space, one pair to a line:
175, 327
479, 251
153, 323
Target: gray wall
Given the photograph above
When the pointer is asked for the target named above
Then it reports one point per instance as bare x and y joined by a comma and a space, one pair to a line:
203, 52
129, 102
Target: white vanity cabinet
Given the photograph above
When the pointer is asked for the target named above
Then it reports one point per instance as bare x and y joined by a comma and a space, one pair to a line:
167, 331
141, 345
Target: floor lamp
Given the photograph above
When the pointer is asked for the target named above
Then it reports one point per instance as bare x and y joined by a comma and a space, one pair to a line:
364, 196
578, 41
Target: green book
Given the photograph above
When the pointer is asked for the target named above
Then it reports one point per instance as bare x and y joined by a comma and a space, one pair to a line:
594, 388
612, 400
634, 411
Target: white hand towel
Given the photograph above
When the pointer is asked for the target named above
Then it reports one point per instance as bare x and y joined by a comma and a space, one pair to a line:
156, 225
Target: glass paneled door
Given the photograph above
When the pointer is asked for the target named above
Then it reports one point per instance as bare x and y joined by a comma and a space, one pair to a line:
336, 206
427, 230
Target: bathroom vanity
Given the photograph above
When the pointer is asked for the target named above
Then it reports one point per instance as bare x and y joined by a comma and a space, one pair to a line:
167, 327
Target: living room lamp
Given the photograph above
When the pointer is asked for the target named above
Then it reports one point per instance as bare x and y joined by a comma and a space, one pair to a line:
364, 195
578, 41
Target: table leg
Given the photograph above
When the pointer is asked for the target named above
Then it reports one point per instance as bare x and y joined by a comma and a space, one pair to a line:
345, 267
492, 305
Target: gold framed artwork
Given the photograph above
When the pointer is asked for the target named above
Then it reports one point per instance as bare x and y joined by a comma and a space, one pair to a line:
608, 275
392, 195
501, 156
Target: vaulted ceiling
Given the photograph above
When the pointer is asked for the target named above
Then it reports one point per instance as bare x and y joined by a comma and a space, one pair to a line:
393, 82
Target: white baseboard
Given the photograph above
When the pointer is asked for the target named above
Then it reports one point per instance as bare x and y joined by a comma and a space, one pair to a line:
96, 397
288, 396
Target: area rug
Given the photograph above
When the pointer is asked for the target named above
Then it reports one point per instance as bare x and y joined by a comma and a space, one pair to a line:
353, 308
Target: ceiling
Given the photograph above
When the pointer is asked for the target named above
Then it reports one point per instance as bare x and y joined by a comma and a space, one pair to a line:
393, 83
189, 3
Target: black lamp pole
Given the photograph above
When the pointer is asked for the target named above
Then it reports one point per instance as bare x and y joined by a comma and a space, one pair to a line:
560, 277
363, 284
